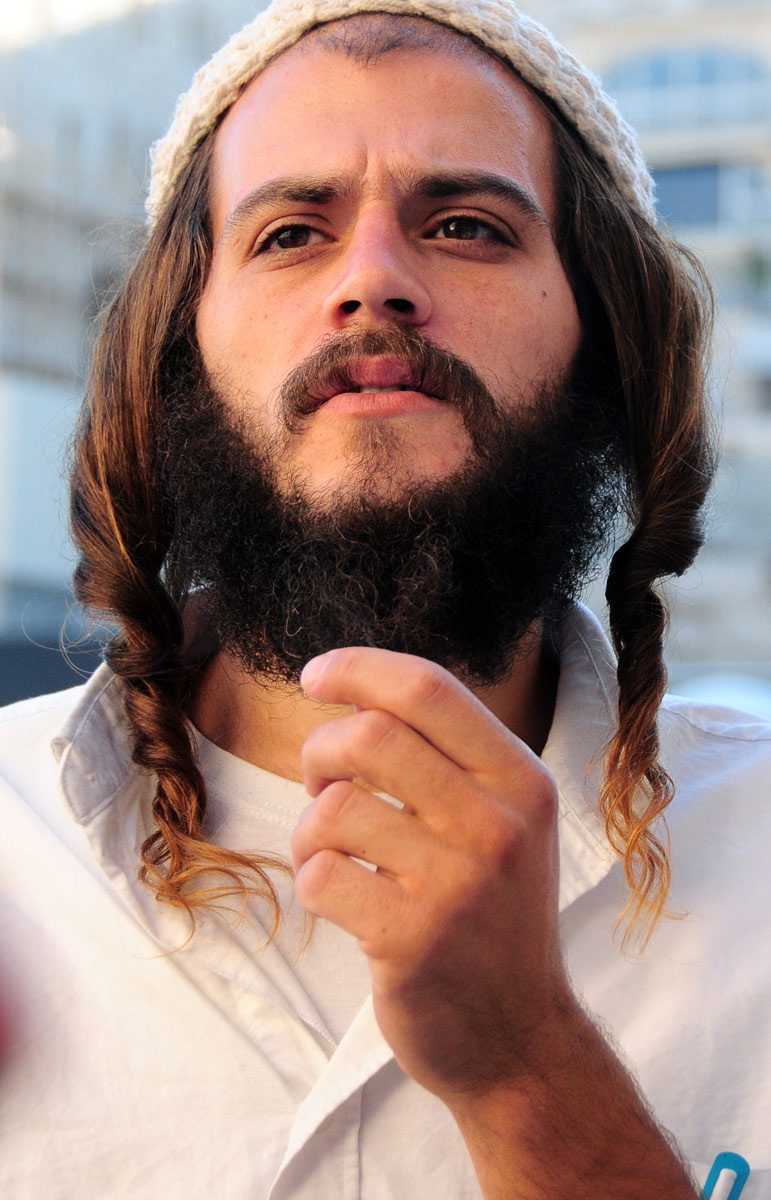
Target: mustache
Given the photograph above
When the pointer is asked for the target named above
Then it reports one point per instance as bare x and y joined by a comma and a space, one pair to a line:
430, 369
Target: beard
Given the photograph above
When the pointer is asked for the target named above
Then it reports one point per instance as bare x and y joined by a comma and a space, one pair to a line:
458, 570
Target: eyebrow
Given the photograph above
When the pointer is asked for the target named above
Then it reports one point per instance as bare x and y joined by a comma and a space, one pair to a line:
304, 189
442, 184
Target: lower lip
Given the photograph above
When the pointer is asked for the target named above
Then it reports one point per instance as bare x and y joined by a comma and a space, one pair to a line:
380, 404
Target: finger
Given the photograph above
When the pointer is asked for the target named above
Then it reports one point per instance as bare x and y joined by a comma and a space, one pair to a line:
376, 748
352, 821
367, 904
424, 696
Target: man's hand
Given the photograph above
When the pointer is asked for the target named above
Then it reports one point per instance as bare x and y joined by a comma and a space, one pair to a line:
460, 926
460, 921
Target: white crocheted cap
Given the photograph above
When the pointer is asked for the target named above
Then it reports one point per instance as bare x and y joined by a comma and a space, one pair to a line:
512, 35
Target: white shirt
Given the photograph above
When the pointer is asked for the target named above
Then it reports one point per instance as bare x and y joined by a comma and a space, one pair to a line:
230, 1070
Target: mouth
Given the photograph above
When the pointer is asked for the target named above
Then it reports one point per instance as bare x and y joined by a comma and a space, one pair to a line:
377, 377
376, 391
366, 402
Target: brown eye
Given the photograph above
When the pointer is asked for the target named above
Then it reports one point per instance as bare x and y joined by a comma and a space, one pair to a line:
289, 237
467, 229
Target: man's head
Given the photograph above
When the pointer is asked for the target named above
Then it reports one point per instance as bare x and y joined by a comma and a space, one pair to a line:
410, 249
388, 205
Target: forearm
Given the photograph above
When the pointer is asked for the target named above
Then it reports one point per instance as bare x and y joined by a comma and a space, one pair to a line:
575, 1129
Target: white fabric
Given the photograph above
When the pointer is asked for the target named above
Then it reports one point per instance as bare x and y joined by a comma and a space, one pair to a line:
498, 24
130, 1071
251, 809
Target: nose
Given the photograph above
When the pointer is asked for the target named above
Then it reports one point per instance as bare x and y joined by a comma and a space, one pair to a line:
378, 280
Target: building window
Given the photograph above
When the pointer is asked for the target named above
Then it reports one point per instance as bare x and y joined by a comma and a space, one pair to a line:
689, 195
732, 196
689, 86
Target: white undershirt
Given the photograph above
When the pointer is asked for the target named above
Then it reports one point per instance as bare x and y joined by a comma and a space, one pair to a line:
252, 810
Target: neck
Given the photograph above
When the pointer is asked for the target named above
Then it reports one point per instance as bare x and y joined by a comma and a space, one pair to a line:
267, 725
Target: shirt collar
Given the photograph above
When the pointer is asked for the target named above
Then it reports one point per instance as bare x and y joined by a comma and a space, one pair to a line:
92, 747
583, 724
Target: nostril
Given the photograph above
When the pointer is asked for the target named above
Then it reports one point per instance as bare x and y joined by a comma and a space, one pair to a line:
397, 304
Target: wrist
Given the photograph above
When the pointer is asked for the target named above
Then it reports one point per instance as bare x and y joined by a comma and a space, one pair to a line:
544, 1064
573, 1122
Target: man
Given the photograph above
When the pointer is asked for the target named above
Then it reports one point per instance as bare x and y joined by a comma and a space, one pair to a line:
403, 342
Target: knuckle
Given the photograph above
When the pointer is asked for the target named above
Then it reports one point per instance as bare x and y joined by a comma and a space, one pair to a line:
424, 685
500, 839
544, 801
315, 876
527, 786
371, 729
511, 833
335, 801
445, 916
504, 845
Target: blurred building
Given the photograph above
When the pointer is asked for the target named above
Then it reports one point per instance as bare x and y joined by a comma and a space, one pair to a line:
77, 114
78, 111
694, 78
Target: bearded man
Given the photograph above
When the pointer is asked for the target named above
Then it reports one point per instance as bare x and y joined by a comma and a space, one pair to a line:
313, 890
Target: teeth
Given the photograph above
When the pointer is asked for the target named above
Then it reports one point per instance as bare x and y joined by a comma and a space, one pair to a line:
376, 390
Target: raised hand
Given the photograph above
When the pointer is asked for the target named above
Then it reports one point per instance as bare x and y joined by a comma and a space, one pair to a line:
459, 921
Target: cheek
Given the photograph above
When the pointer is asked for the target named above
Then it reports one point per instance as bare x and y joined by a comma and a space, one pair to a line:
523, 341
544, 331
252, 339
226, 325
557, 311
523, 323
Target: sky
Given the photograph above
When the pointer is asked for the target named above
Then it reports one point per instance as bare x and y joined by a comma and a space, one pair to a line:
23, 21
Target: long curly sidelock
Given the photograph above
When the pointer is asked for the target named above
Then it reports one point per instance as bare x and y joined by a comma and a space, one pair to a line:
650, 303
123, 535
646, 310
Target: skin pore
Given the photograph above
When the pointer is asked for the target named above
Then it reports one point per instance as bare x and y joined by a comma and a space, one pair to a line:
433, 213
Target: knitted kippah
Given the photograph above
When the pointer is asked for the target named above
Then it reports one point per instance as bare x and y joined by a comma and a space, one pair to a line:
524, 43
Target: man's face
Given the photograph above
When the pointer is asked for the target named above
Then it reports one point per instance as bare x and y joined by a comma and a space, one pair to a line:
346, 199
386, 227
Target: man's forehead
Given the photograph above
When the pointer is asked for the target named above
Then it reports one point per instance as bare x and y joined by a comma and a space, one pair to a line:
419, 101
495, 27
370, 40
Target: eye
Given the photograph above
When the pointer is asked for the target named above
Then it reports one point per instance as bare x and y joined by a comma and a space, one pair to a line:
468, 229
289, 237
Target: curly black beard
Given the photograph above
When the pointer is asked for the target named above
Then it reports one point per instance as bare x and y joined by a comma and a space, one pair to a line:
455, 571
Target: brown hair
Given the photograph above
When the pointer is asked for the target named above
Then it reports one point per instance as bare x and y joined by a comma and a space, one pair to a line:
649, 305
646, 308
